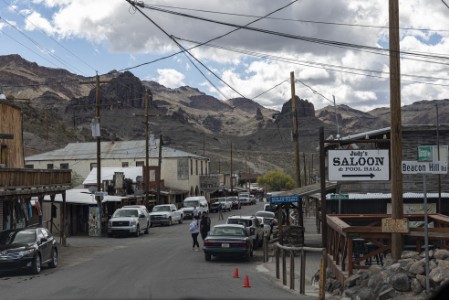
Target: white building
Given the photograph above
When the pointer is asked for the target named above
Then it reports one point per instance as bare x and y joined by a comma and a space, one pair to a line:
179, 170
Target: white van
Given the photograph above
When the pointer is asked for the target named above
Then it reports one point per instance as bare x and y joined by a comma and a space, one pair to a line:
189, 203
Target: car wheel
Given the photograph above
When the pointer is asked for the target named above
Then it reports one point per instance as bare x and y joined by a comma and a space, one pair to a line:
138, 231
54, 258
147, 231
36, 266
207, 256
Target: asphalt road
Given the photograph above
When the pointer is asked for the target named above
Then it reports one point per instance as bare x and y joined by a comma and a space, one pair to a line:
160, 265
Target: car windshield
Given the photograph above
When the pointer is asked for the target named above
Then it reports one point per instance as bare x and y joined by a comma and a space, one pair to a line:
243, 222
191, 203
17, 237
227, 231
161, 208
126, 213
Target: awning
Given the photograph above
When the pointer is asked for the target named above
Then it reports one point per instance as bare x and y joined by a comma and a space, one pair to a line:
82, 196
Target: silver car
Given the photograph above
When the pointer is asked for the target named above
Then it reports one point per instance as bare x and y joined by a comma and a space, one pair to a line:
128, 221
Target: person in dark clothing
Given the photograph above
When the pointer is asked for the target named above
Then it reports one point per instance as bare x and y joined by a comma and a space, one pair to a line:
204, 225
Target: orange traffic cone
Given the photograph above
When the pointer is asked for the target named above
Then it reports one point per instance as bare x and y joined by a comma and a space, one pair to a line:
246, 282
236, 273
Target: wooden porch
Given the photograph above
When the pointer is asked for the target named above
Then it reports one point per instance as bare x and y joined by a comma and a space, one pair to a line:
357, 241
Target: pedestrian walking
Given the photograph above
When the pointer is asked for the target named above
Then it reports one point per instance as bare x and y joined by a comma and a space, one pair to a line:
220, 211
204, 225
194, 229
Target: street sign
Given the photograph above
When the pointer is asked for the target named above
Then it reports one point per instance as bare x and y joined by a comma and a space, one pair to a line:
423, 167
430, 153
284, 199
352, 165
339, 196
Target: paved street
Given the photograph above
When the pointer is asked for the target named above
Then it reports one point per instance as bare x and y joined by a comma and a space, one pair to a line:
160, 265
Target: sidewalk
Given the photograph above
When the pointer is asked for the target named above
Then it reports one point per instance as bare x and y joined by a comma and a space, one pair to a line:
313, 260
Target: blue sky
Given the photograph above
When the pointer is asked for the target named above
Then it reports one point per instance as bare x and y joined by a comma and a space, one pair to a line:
85, 37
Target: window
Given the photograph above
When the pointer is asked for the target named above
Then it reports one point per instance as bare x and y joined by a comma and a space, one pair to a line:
140, 163
201, 167
30, 166
196, 167
64, 166
50, 166
191, 167
125, 164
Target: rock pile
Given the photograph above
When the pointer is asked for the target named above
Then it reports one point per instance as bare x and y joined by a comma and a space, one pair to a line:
404, 279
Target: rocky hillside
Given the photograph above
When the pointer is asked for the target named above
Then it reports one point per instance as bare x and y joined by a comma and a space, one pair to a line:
58, 107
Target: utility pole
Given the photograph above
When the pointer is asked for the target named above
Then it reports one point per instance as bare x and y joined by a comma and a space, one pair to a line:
439, 175
336, 119
159, 164
232, 184
295, 130
323, 189
97, 133
147, 146
397, 211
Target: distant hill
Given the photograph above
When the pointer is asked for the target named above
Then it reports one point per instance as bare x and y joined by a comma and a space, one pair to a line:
58, 107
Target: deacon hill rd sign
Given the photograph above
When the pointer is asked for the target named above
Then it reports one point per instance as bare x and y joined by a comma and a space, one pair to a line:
355, 165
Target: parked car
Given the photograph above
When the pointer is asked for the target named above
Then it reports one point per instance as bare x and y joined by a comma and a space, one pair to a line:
230, 240
244, 198
144, 209
27, 248
252, 223
190, 203
130, 220
165, 214
235, 202
269, 215
266, 226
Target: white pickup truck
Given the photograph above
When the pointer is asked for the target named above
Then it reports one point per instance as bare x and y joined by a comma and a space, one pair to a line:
165, 214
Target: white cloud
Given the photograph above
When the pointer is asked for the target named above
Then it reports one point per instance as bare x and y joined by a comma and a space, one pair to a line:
170, 78
350, 74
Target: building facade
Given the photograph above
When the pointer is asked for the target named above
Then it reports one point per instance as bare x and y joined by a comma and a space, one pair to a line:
179, 170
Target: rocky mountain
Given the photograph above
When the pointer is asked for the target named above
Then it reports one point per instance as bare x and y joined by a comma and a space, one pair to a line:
58, 108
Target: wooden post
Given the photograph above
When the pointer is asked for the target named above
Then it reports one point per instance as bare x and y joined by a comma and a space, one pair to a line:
396, 127
97, 117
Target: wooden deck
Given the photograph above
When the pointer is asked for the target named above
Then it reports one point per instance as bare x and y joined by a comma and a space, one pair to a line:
357, 241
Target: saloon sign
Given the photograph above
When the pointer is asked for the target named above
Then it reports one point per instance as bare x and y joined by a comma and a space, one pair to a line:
358, 165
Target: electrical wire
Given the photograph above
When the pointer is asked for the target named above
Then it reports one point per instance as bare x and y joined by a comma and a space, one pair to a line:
344, 45
302, 21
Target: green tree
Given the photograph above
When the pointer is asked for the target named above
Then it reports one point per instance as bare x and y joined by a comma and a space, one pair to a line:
276, 180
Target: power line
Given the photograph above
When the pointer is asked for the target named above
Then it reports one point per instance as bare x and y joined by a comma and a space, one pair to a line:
216, 38
300, 20
337, 44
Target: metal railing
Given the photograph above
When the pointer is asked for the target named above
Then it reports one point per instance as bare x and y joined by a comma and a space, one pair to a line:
281, 253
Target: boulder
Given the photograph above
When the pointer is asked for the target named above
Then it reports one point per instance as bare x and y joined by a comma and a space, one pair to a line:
418, 267
400, 282
416, 286
387, 294
441, 254
438, 274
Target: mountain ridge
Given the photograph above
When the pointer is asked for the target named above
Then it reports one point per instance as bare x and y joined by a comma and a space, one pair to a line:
58, 107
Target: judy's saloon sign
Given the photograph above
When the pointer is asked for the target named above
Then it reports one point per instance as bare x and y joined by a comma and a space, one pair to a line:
358, 165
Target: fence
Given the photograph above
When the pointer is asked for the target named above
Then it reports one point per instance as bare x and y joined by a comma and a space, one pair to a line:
280, 252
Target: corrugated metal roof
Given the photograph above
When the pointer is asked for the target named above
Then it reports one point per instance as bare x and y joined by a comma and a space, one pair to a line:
107, 173
110, 150
82, 196
365, 134
371, 196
